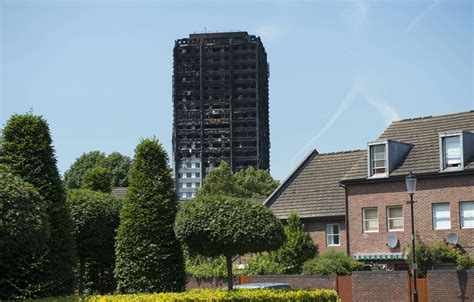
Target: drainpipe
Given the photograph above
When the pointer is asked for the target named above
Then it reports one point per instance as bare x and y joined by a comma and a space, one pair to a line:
348, 247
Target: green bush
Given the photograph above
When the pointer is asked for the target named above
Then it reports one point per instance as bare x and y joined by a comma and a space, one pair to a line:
27, 151
331, 262
202, 295
221, 225
97, 179
24, 230
429, 255
96, 218
288, 259
206, 267
148, 256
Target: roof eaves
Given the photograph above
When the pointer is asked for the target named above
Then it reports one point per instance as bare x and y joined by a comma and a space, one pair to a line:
275, 194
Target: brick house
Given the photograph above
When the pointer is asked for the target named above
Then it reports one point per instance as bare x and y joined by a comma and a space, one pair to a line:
440, 152
313, 191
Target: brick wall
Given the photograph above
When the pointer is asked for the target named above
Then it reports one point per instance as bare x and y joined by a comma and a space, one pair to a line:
450, 190
299, 281
451, 285
193, 282
317, 231
389, 286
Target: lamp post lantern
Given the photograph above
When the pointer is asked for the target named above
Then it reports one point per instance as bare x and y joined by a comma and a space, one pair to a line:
410, 181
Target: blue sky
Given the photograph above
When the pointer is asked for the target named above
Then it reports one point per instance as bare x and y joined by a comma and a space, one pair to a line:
100, 71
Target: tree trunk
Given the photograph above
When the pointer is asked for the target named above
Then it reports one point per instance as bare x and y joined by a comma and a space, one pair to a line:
81, 276
230, 278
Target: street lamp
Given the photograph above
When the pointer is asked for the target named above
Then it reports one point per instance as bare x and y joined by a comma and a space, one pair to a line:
410, 181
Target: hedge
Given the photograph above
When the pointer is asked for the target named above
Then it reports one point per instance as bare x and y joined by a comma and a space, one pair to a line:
254, 295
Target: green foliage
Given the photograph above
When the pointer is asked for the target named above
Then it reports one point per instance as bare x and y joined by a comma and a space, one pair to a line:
215, 225
97, 179
247, 183
221, 225
73, 176
96, 218
288, 259
206, 267
429, 255
116, 164
24, 230
148, 256
253, 183
331, 262
27, 151
119, 168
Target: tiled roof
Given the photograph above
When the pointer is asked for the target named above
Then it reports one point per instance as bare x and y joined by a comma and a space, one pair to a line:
313, 189
423, 133
119, 191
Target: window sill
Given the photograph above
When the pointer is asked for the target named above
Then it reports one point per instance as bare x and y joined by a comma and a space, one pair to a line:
369, 232
394, 231
451, 169
333, 245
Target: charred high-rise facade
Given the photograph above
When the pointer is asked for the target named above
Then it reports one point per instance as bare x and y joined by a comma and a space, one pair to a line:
220, 106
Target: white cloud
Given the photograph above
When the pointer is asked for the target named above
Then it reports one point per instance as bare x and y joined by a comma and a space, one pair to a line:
423, 14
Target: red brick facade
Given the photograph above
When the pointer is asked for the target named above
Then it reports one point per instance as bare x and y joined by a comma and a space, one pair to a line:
429, 191
317, 231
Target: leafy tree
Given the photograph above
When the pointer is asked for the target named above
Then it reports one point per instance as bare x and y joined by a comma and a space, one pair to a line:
97, 179
117, 164
119, 168
253, 183
219, 181
216, 225
27, 151
331, 262
24, 230
148, 256
96, 218
73, 176
288, 259
247, 183
206, 267
428, 255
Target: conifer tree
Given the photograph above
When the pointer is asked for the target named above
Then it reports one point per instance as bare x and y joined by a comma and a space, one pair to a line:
27, 151
148, 256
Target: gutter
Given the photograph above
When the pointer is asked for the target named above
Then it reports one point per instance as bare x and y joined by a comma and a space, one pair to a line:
428, 175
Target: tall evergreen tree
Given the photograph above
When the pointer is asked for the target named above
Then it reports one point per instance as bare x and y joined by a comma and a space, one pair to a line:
27, 151
148, 256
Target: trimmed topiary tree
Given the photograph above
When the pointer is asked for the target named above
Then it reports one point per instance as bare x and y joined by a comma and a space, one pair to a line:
97, 179
96, 219
221, 225
24, 230
148, 256
27, 152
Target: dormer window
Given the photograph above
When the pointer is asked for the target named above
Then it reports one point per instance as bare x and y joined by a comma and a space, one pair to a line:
451, 152
378, 160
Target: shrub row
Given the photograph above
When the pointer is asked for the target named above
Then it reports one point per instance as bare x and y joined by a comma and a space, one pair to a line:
257, 295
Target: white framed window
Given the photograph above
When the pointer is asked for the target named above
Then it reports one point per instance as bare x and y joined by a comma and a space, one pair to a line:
451, 152
189, 175
333, 235
370, 220
378, 162
188, 185
183, 195
441, 216
395, 218
467, 214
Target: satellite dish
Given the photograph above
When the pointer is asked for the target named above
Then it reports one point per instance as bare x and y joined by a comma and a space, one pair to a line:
452, 238
392, 241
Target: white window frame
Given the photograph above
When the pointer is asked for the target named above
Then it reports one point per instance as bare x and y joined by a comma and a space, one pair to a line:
442, 156
434, 218
461, 214
370, 163
328, 234
364, 220
391, 218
